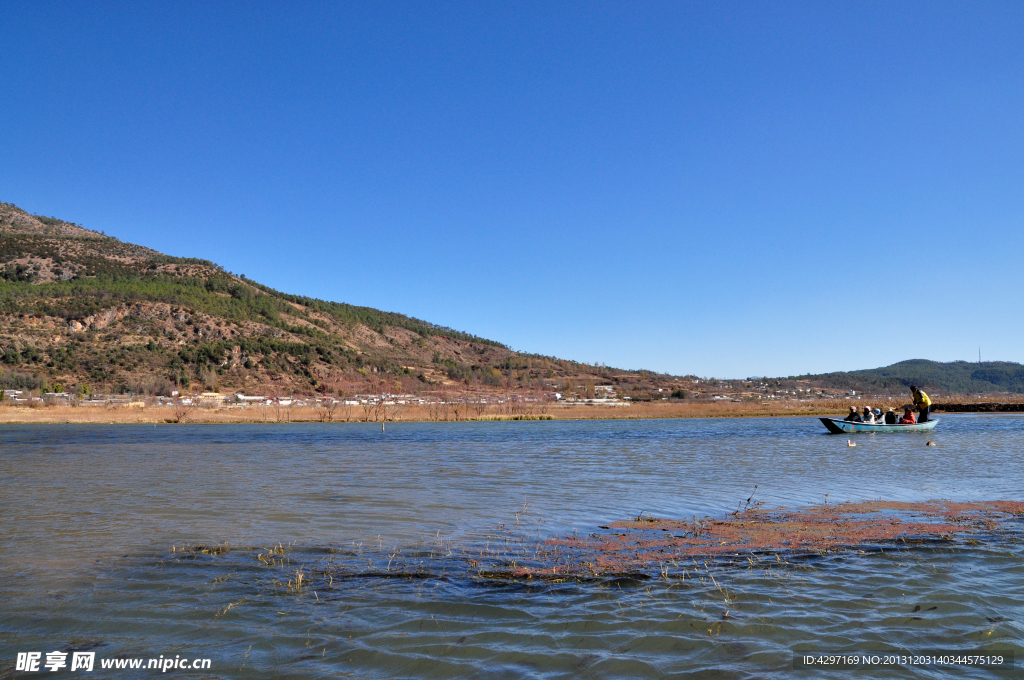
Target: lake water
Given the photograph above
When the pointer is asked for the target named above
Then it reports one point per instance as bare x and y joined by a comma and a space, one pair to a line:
94, 519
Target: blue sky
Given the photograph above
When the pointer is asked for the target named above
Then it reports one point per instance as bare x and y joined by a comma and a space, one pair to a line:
724, 189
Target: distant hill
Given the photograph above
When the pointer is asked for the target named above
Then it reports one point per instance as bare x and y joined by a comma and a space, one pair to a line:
83, 310
959, 377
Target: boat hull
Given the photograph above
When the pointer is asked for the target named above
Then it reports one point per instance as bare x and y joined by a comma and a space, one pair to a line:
839, 426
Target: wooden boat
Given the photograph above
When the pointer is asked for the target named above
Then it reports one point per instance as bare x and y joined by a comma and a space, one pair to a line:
840, 426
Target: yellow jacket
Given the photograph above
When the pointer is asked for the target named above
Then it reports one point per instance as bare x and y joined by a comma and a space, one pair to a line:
921, 399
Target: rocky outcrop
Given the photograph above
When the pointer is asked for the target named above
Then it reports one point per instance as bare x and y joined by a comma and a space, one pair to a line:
101, 320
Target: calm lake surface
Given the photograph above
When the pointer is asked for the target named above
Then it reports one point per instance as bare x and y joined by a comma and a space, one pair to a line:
93, 520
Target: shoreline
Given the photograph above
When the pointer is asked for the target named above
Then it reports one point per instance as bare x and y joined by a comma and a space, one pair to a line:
154, 415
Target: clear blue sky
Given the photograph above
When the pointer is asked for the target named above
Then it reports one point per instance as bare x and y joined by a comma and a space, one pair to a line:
725, 189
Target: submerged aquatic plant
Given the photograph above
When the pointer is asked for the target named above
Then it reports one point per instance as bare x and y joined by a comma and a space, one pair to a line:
636, 549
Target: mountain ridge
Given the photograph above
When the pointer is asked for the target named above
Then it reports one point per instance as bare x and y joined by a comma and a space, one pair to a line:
85, 310
961, 377
80, 309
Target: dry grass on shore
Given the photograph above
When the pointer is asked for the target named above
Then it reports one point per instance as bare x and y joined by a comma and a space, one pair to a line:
638, 411
412, 413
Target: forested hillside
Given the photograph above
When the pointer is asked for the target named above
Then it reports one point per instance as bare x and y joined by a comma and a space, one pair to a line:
82, 310
959, 377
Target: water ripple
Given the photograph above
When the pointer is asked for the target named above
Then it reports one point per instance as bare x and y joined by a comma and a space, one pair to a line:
90, 515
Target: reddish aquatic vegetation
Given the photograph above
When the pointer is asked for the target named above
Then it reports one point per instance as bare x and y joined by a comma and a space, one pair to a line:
935, 508
644, 546
646, 542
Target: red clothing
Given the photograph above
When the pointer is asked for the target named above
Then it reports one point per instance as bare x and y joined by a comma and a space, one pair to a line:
908, 419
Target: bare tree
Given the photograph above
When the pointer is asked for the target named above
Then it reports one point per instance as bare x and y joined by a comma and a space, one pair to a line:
282, 412
438, 408
543, 401
325, 408
528, 404
395, 409
478, 406
518, 403
183, 411
320, 406
385, 408
509, 398
459, 407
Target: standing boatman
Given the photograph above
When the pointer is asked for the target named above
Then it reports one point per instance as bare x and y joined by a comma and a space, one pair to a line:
922, 402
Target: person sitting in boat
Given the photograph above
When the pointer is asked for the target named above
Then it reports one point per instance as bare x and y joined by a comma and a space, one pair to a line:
878, 415
853, 416
868, 416
922, 402
890, 417
908, 416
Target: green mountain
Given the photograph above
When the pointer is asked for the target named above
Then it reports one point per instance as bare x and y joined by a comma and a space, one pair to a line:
955, 377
